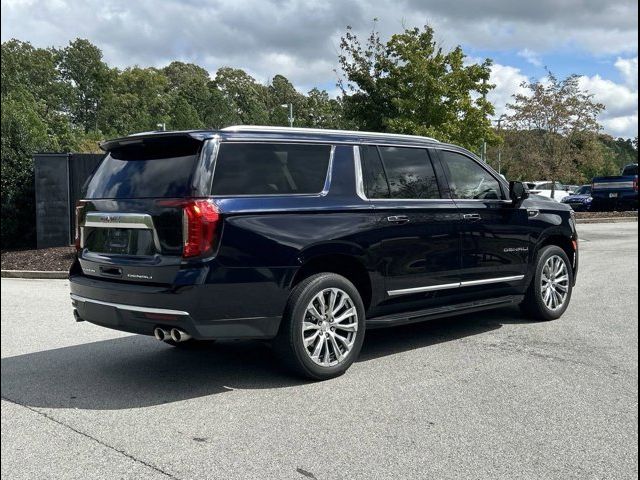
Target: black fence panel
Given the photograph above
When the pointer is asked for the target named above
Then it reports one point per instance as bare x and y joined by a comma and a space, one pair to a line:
59, 179
52, 200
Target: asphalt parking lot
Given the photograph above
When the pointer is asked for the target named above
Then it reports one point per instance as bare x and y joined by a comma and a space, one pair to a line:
482, 396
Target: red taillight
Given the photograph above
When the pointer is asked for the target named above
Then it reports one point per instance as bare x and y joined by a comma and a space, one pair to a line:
79, 218
199, 227
635, 184
199, 224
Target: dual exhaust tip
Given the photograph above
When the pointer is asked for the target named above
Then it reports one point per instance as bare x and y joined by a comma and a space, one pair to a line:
174, 335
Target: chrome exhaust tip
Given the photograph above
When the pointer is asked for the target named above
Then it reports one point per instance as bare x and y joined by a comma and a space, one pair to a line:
161, 334
179, 336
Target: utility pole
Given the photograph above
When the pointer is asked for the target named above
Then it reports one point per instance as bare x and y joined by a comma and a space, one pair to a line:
484, 141
499, 123
290, 105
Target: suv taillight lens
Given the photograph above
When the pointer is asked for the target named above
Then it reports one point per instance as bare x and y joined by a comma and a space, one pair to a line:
635, 184
200, 220
79, 219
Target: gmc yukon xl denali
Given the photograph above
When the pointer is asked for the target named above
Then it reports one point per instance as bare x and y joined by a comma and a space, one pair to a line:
308, 238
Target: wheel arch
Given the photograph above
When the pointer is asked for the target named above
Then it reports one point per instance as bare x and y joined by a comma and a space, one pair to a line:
349, 266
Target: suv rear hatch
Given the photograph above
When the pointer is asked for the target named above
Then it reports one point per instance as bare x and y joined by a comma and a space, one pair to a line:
143, 214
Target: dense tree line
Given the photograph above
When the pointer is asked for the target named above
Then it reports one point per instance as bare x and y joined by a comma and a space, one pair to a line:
67, 99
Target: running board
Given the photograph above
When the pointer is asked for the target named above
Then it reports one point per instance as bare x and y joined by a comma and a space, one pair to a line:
444, 311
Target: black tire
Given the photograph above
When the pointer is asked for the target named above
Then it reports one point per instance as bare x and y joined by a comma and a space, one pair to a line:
533, 305
289, 342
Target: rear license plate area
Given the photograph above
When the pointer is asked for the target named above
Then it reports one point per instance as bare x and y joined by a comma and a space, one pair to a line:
120, 241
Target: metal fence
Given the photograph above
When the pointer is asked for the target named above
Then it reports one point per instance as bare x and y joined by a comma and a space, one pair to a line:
59, 178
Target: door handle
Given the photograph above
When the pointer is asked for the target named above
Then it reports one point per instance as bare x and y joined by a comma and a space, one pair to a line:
471, 216
398, 219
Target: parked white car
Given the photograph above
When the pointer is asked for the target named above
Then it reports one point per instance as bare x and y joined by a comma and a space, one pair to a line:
544, 188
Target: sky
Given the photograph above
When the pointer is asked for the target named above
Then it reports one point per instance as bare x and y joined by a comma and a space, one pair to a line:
596, 39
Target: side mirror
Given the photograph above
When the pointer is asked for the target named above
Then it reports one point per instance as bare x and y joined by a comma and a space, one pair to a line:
518, 192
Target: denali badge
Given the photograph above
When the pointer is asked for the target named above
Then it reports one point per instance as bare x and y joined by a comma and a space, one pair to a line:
516, 249
143, 277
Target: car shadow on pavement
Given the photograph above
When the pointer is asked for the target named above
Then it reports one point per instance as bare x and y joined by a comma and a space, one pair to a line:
138, 371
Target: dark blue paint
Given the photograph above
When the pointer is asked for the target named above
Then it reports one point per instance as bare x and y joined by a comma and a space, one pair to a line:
263, 241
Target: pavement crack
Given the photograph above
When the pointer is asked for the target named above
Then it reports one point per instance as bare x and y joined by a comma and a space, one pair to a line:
86, 435
307, 474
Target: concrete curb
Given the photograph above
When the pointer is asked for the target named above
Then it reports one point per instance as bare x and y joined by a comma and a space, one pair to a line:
607, 220
35, 274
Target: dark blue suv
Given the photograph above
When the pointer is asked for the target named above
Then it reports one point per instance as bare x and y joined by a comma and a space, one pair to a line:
308, 237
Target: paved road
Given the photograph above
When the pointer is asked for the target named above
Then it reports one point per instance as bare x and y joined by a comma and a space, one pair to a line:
481, 396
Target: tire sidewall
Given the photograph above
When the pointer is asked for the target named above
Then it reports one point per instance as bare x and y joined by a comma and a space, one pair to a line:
295, 316
544, 254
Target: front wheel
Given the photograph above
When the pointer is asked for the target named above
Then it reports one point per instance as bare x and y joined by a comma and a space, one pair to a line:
322, 328
550, 290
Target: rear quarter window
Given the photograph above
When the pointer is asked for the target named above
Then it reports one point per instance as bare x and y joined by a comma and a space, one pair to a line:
270, 169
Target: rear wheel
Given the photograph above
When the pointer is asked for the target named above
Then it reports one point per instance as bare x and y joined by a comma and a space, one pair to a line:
322, 328
550, 290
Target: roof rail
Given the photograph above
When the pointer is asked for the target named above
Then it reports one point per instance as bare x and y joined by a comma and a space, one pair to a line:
262, 128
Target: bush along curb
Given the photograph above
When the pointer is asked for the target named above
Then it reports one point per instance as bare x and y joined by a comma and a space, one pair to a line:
42, 274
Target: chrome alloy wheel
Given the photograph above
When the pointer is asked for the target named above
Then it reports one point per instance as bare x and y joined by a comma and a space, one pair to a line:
554, 282
329, 327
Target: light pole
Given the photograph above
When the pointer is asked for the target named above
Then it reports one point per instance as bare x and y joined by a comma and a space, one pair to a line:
290, 105
499, 122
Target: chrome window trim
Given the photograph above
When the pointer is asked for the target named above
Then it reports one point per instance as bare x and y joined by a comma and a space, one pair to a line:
360, 179
327, 181
131, 308
357, 160
447, 286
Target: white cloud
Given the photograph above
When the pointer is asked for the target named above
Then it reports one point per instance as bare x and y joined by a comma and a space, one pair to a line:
508, 81
628, 68
620, 117
300, 38
530, 56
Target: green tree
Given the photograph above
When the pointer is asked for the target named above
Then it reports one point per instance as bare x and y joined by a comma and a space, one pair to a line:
411, 85
322, 111
87, 78
24, 132
561, 121
282, 92
138, 101
247, 99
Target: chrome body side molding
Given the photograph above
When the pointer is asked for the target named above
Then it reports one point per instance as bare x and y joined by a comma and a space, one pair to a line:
447, 286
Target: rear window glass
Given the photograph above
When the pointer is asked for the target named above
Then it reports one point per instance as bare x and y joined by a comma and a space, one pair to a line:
630, 170
270, 169
146, 170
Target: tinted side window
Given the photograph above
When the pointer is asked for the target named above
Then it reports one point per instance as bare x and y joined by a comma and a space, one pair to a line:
630, 170
409, 173
375, 180
270, 169
467, 179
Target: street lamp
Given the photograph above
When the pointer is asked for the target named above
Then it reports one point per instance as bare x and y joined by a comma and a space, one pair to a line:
290, 106
499, 123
